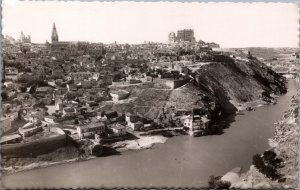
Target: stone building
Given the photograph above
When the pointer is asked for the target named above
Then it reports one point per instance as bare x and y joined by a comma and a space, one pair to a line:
25, 43
185, 35
172, 37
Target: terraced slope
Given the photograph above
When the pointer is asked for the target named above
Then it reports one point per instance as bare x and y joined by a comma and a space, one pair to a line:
216, 87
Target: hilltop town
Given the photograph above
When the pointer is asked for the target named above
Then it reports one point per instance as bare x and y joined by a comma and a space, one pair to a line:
77, 99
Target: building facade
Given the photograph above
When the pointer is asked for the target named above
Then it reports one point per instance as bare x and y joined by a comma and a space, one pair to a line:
185, 35
195, 123
89, 130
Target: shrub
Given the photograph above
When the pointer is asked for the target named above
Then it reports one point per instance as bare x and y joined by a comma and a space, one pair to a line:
23, 88
267, 164
269, 155
39, 105
270, 158
258, 161
4, 95
32, 89
217, 183
97, 150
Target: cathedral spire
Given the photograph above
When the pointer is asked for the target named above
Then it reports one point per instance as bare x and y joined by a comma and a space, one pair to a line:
54, 37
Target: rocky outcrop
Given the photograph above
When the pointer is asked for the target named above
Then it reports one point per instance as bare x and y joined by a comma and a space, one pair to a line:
285, 145
238, 81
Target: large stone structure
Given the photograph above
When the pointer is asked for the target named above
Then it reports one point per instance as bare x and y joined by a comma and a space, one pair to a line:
25, 43
61, 50
185, 35
172, 37
25, 39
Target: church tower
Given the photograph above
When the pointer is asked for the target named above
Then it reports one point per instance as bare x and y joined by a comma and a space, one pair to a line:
54, 37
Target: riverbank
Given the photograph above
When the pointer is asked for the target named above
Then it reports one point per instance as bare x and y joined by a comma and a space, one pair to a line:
62, 155
71, 154
284, 146
143, 140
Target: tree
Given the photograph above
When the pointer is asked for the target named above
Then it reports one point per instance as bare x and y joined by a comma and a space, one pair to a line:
40, 105
23, 89
269, 155
267, 164
4, 95
97, 150
28, 70
217, 183
257, 161
32, 89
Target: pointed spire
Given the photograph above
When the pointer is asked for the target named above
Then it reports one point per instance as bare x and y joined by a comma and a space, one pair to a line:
54, 37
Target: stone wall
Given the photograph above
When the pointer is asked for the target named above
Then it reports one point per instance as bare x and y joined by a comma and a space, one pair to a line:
176, 83
35, 148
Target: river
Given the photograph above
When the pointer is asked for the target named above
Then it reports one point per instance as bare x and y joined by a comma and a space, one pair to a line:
183, 161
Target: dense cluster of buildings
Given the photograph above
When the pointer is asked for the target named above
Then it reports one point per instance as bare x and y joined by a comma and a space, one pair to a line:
63, 84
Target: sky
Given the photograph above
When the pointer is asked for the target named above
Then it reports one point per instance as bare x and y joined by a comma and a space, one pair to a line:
229, 24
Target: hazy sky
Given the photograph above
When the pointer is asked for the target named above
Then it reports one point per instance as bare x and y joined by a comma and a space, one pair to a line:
229, 24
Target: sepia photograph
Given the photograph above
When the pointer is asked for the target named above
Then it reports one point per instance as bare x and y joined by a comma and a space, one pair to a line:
131, 94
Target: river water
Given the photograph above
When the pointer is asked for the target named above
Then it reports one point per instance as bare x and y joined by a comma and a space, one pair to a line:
183, 161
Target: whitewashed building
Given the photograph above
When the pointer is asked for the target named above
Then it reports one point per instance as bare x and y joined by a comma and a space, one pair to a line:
118, 129
89, 130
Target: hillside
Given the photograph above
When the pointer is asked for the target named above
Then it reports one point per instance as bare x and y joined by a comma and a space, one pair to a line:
271, 53
217, 87
279, 59
239, 81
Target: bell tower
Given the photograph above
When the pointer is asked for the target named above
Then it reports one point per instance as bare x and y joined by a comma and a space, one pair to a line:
54, 37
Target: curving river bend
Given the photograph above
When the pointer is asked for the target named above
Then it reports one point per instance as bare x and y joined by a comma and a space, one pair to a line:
183, 161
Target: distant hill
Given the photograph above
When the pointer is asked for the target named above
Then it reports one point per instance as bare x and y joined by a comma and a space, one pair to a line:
267, 53
279, 59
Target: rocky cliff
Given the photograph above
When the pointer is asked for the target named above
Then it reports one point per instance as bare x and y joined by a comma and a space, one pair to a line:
235, 82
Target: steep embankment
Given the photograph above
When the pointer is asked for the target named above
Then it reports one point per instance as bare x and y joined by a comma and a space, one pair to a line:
285, 146
218, 86
239, 81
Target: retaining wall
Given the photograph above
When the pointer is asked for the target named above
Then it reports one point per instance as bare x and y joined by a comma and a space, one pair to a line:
35, 148
176, 83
